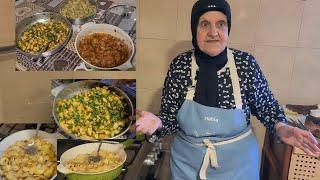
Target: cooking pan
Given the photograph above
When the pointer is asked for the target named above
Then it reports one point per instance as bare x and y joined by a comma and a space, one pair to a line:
83, 86
43, 17
115, 147
80, 21
88, 148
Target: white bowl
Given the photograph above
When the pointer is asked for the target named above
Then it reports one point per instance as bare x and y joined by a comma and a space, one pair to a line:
90, 28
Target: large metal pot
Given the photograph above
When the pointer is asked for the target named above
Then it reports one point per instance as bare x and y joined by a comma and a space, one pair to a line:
24, 135
43, 17
85, 85
88, 148
90, 28
80, 21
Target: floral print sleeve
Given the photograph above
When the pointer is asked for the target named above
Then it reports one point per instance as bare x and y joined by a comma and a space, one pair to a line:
262, 103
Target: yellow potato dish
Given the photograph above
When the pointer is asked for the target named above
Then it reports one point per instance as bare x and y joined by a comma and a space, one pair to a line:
78, 9
36, 38
81, 163
15, 164
98, 113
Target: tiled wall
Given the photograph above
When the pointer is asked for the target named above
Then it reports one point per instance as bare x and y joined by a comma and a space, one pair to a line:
282, 35
7, 19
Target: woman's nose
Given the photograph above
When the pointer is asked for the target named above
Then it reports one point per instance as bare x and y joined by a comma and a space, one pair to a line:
213, 31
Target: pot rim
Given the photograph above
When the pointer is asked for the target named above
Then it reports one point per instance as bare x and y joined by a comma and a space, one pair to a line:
92, 173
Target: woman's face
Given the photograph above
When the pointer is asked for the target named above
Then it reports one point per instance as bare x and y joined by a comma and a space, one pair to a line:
212, 32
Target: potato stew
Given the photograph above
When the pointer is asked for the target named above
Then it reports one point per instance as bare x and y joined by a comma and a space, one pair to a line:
15, 164
78, 9
95, 114
82, 163
103, 50
36, 38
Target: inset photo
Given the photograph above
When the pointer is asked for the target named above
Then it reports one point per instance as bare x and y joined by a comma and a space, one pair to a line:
28, 151
96, 124
94, 109
114, 159
75, 35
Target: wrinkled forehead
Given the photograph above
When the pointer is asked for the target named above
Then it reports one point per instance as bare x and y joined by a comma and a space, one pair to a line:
213, 16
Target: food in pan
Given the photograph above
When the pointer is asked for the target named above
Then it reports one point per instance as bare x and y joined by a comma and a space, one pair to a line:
15, 164
103, 50
98, 113
82, 163
78, 9
42, 37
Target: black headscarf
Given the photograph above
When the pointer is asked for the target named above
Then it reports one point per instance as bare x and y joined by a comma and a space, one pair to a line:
207, 78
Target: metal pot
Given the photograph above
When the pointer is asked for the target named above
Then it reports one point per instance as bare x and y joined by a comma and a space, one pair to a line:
24, 135
80, 21
43, 17
88, 148
82, 86
90, 28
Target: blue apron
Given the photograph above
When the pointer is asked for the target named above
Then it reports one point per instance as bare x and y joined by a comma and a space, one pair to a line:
214, 143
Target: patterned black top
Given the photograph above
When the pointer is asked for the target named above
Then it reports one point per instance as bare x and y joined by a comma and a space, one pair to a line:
255, 93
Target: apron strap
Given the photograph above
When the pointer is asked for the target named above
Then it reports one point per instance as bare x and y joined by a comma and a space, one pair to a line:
191, 90
234, 79
211, 153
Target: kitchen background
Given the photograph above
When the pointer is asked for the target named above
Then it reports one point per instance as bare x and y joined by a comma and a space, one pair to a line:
282, 35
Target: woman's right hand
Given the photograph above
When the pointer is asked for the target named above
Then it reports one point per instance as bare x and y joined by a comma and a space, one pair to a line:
147, 123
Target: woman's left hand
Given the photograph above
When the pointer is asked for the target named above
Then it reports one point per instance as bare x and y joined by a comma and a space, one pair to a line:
299, 138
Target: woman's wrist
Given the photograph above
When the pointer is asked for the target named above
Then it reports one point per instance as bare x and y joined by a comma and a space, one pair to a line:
279, 125
280, 129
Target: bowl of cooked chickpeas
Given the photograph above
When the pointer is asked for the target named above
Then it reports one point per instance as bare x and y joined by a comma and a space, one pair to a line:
92, 110
105, 47
42, 34
16, 164
76, 164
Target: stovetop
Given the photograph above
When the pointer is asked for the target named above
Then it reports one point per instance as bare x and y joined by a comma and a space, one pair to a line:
143, 158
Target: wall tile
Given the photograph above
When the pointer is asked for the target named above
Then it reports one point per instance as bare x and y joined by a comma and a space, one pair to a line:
309, 34
158, 19
184, 19
245, 16
305, 86
154, 62
242, 47
280, 22
7, 19
149, 99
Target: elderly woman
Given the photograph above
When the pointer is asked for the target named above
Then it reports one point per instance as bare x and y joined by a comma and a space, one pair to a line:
208, 95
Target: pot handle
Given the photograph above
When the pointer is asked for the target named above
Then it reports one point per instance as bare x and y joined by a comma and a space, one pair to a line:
87, 25
133, 138
127, 65
63, 169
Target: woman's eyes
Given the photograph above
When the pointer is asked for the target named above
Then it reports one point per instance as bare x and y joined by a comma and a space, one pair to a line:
221, 24
204, 24
218, 25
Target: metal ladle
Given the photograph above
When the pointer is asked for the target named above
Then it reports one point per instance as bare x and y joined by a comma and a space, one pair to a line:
31, 148
97, 157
